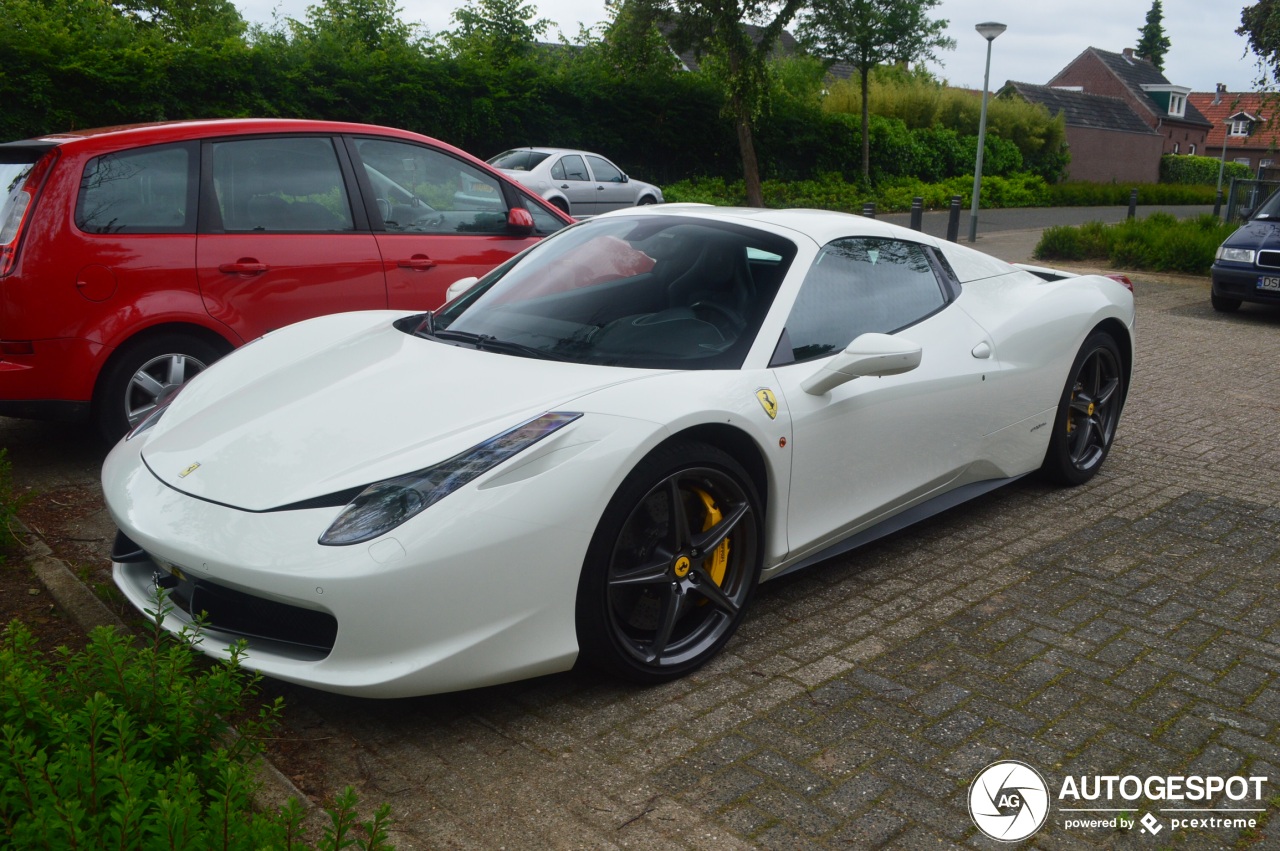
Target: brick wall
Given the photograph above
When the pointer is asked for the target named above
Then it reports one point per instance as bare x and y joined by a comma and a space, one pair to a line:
1104, 156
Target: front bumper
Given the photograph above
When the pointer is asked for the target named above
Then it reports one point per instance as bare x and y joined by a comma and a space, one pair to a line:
1239, 281
477, 590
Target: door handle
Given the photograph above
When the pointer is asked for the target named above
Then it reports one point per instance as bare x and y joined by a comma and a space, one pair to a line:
246, 266
600, 188
418, 262
564, 186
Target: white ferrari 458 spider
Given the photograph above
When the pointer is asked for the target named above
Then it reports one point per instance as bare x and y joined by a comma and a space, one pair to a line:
597, 451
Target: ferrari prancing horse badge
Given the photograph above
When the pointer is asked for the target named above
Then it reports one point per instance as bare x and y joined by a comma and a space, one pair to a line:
768, 402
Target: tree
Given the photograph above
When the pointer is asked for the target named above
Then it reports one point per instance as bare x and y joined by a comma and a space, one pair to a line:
738, 57
496, 31
1260, 24
867, 33
1154, 44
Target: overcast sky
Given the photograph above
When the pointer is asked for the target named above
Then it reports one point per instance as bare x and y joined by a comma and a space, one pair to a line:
1042, 36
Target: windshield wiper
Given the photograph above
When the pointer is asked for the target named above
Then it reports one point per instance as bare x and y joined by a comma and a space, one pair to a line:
489, 343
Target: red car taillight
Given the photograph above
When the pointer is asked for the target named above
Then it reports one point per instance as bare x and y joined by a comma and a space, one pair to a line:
1123, 280
19, 211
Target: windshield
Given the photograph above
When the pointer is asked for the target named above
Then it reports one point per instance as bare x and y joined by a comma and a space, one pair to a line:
518, 160
1270, 208
664, 292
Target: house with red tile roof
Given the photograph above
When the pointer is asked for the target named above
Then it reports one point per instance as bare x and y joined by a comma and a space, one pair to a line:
1241, 120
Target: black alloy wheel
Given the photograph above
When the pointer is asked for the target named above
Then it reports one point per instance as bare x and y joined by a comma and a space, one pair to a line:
1088, 413
672, 565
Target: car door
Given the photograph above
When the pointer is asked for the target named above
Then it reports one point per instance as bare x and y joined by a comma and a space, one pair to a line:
437, 219
570, 174
873, 444
613, 191
279, 238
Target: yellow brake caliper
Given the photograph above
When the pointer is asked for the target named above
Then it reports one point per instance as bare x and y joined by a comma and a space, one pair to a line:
718, 561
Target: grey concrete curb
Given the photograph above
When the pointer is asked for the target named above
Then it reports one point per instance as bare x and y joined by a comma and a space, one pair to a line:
89, 612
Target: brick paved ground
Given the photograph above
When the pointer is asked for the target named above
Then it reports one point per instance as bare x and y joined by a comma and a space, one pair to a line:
1126, 627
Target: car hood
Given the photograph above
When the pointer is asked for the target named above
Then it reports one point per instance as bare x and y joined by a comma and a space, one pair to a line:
284, 420
1259, 235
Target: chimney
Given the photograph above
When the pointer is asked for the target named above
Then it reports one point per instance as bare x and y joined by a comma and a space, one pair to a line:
1128, 53
1217, 95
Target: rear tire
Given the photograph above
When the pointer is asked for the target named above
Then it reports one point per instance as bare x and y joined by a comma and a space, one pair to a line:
561, 205
143, 374
672, 565
1088, 413
646, 201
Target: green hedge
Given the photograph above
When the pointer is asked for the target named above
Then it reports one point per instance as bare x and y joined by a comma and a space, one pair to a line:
894, 194
1200, 170
1157, 243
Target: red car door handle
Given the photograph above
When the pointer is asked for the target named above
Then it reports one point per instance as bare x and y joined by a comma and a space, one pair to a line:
244, 266
420, 262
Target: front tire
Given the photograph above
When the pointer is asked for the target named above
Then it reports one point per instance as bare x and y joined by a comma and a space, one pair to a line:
1088, 413
672, 565
1224, 304
143, 374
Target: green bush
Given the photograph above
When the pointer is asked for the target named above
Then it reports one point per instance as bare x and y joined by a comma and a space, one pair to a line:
127, 745
1158, 243
1075, 194
1201, 171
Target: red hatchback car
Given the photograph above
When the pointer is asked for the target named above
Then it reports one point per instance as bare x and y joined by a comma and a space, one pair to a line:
133, 257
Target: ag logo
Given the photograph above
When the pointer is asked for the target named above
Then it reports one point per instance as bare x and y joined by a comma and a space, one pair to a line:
1009, 801
189, 470
768, 402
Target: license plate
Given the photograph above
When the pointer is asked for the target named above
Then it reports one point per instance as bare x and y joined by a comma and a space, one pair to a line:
1269, 284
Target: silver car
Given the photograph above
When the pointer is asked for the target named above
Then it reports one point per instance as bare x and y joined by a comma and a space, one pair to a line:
579, 182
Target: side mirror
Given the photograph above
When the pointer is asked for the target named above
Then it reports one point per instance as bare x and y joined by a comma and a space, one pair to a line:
459, 287
626, 179
520, 221
869, 354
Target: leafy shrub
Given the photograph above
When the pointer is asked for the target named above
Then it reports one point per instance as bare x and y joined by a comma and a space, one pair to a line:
1158, 243
1075, 194
125, 745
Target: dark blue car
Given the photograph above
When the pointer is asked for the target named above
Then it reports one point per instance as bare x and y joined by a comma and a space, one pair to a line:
1247, 265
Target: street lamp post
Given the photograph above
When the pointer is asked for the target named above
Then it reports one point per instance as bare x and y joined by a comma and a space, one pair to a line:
989, 31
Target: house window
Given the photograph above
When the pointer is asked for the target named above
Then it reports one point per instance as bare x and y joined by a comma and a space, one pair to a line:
1177, 105
1241, 160
1264, 163
1175, 147
1191, 149
1239, 127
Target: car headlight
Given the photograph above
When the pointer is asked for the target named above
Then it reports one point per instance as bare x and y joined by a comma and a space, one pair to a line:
383, 506
1236, 255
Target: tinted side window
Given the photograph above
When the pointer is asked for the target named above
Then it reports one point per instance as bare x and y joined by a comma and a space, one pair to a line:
605, 171
570, 167
423, 190
149, 190
861, 285
290, 184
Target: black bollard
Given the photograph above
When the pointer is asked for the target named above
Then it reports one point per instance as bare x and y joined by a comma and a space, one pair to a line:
1133, 203
953, 223
917, 213
869, 209
1217, 205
